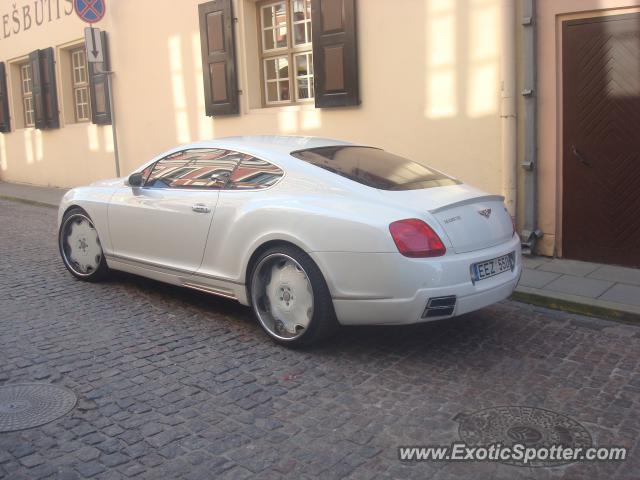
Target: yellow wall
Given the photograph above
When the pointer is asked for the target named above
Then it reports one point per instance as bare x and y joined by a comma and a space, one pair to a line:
429, 79
74, 154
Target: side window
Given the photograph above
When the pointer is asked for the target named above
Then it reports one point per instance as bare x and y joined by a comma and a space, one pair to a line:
253, 173
195, 168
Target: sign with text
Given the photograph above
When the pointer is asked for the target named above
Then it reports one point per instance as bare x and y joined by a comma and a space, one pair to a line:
22, 15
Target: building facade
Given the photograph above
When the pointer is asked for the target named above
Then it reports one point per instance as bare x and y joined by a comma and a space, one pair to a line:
445, 82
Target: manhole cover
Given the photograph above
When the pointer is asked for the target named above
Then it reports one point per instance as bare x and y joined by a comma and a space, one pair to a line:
31, 405
532, 427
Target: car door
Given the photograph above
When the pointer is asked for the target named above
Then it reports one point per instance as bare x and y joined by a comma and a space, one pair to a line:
242, 197
166, 221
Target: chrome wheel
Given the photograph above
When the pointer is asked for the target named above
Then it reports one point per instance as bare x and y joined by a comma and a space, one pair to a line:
282, 296
80, 245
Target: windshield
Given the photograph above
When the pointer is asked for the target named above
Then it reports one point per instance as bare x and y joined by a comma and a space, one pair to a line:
375, 168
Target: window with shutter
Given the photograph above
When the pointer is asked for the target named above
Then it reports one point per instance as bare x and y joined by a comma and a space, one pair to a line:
335, 53
98, 78
218, 58
80, 84
285, 51
44, 92
5, 123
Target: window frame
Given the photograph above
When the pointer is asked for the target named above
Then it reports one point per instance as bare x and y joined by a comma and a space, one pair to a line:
77, 86
224, 188
289, 52
27, 96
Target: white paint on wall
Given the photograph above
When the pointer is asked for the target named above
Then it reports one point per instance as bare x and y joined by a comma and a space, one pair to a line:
178, 90
441, 79
483, 51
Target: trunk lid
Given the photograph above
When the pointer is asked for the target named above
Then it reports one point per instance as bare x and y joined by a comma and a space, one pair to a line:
471, 219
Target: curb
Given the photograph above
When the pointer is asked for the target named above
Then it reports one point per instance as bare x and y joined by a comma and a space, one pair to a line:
28, 201
605, 313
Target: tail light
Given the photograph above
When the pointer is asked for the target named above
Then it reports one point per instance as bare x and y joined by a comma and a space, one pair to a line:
415, 239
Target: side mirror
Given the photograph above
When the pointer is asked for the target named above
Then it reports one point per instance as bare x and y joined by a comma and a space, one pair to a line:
135, 179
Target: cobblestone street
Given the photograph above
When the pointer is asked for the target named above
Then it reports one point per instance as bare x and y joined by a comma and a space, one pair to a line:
173, 383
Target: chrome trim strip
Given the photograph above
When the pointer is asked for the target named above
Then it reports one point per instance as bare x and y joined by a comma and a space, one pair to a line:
361, 297
214, 291
143, 263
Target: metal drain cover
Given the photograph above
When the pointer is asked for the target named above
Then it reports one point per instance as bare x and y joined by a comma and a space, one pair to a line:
533, 427
30, 405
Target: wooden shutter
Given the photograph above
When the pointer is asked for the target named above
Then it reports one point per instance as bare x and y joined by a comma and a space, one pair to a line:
335, 53
218, 58
36, 88
45, 93
100, 102
5, 123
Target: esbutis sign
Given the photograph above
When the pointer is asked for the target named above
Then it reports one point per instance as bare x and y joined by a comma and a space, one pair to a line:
26, 15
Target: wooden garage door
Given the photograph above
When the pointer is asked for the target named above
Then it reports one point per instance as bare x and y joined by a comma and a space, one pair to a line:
601, 149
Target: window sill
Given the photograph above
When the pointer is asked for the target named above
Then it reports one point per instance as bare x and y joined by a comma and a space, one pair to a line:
275, 109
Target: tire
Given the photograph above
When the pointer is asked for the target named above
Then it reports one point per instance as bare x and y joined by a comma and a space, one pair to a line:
291, 311
80, 246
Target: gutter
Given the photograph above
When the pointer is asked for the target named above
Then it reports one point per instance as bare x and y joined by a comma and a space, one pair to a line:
508, 105
530, 232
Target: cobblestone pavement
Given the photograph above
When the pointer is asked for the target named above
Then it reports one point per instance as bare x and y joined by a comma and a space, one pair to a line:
176, 384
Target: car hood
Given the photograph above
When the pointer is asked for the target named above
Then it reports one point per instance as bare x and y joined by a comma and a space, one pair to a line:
111, 182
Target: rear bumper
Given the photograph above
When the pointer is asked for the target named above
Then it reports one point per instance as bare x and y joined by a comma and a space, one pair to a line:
389, 289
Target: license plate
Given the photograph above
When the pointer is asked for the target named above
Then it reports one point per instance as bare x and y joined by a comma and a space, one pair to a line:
493, 267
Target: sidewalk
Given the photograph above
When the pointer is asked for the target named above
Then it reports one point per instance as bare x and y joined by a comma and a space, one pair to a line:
604, 291
47, 196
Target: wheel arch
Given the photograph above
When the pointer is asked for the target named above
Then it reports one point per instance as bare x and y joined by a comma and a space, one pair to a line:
259, 250
71, 206
96, 211
264, 246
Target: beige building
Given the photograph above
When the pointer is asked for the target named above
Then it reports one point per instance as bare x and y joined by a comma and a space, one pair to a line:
472, 87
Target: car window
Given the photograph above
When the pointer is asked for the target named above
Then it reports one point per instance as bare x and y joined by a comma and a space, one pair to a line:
375, 168
194, 168
254, 173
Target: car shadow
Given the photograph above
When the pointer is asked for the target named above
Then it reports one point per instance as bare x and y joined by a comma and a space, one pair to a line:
439, 336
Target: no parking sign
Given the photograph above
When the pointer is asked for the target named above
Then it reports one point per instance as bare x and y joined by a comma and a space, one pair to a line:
90, 11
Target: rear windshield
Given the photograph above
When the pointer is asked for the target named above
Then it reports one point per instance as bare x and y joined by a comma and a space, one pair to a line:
375, 168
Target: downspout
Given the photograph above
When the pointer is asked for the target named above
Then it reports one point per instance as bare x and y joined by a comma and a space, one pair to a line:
530, 232
508, 104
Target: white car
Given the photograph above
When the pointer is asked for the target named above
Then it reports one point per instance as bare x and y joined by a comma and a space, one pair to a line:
312, 233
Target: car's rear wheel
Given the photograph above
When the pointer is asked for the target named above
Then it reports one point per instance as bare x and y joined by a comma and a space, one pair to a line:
80, 246
290, 297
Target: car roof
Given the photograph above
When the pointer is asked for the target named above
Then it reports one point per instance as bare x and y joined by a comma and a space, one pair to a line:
281, 144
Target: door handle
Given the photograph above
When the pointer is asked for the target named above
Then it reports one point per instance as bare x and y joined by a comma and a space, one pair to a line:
580, 158
200, 208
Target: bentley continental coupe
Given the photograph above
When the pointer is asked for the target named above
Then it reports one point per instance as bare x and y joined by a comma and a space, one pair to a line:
312, 233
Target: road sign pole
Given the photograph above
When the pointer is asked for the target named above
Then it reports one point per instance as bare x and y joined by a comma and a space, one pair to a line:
92, 11
113, 121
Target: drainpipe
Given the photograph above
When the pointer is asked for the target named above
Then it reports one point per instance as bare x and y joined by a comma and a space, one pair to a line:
508, 104
530, 232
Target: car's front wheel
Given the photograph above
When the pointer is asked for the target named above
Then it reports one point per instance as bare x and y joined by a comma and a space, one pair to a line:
80, 246
290, 297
